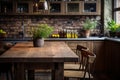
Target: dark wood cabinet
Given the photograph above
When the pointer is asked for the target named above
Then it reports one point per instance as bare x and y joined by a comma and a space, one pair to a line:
98, 49
54, 7
6, 7
91, 7
112, 59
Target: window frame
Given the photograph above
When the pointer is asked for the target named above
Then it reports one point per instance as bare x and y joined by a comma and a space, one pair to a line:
115, 9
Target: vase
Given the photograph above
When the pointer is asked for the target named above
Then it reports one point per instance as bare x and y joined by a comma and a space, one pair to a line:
38, 42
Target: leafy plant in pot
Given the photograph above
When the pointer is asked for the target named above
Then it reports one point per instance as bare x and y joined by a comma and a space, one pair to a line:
112, 27
39, 33
88, 25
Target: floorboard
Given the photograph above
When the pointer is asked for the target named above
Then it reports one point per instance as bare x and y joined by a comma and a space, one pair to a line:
47, 76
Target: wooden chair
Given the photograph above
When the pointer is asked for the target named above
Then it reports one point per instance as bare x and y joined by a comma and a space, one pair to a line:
75, 65
84, 71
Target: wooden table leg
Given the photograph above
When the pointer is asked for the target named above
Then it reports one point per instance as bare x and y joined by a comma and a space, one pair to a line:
19, 71
31, 75
58, 71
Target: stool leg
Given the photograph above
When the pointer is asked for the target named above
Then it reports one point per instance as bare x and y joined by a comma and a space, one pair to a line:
11, 75
66, 78
7, 75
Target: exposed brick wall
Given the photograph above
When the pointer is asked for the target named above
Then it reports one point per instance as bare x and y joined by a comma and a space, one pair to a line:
14, 25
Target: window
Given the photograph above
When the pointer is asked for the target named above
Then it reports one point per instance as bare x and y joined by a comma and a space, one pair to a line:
117, 11
117, 16
117, 2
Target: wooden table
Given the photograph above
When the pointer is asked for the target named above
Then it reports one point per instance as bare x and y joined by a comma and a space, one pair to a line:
26, 57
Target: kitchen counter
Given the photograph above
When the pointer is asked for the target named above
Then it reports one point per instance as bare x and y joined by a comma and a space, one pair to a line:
77, 39
113, 39
63, 39
59, 39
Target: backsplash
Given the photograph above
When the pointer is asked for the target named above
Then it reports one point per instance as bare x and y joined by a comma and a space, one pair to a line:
20, 26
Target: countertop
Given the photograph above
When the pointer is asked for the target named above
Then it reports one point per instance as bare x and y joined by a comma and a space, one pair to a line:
113, 39
64, 39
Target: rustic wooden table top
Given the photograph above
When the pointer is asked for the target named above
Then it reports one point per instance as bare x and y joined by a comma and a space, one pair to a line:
51, 51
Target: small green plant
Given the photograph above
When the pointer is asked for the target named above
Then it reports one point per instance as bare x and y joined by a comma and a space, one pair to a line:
89, 24
42, 31
2, 31
112, 26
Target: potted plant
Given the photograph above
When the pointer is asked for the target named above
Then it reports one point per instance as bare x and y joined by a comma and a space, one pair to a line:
112, 27
2, 33
88, 25
39, 33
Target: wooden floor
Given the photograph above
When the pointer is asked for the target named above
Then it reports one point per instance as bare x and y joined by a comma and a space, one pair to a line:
47, 76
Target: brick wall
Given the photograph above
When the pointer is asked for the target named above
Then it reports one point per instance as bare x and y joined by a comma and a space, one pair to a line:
15, 25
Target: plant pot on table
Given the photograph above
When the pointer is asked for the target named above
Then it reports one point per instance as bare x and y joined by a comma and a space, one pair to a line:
38, 42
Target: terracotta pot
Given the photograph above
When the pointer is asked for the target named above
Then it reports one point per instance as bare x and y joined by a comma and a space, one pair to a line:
87, 33
38, 42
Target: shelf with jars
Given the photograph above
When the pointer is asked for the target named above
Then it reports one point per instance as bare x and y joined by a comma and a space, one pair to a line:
68, 32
